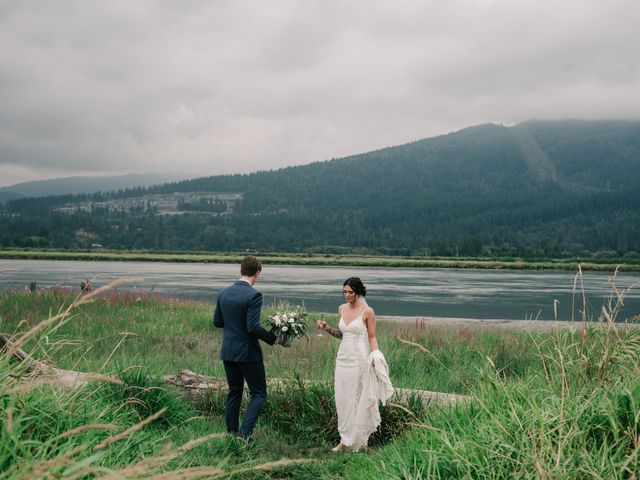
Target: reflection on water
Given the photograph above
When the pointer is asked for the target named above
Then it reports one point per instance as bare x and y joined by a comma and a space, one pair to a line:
484, 294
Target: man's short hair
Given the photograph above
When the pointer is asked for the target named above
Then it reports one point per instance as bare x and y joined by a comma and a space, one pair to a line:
250, 266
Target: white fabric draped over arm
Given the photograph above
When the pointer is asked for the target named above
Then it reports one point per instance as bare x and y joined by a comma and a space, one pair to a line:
376, 388
381, 388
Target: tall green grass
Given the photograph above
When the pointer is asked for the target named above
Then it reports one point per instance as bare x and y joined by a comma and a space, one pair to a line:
305, 414
48, 432
117, 329
123, 329
130, 429
556, 404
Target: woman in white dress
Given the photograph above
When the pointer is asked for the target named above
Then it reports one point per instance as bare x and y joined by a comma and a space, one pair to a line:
361, 376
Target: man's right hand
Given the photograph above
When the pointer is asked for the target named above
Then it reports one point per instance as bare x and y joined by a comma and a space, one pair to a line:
280, 340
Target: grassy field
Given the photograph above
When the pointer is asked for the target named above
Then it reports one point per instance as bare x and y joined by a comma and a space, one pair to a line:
554, 404
326, 260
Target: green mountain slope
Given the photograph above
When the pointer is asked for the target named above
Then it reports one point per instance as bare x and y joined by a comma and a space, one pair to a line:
78, 185
538, 188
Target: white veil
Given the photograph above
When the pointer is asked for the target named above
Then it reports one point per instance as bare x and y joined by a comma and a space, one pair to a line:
363, 300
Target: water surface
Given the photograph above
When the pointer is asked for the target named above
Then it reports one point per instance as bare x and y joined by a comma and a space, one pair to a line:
463, 293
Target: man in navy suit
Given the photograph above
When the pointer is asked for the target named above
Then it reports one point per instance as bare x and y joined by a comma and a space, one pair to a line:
238, 313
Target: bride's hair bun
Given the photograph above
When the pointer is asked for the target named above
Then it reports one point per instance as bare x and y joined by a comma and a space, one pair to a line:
356, 285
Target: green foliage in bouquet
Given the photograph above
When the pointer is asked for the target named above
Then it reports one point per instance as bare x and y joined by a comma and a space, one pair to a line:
289, 321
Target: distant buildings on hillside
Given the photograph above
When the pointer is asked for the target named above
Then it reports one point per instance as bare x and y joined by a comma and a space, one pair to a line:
162, 204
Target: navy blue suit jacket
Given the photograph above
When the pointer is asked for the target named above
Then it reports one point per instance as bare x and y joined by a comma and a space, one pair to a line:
238, 313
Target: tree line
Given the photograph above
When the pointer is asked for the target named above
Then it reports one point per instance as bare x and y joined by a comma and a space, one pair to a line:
541, 189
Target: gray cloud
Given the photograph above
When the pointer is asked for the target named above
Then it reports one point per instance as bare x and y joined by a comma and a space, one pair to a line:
204, 87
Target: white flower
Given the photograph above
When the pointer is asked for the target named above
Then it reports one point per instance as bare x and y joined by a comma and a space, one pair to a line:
278, 322
291, 320
276, 318
284, 329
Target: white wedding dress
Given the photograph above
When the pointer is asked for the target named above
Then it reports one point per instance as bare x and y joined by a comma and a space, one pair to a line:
352, 363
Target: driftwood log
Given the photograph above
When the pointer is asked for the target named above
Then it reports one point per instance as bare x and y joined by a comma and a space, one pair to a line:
194, 387
41, 373
197, 387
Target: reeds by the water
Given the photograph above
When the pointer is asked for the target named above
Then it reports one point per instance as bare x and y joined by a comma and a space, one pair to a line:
325, 259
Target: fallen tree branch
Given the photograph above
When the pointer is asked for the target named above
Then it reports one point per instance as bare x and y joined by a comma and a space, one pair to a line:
41, 373
193, 386
197, 387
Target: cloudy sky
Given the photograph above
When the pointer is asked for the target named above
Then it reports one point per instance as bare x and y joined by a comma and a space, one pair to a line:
201, 87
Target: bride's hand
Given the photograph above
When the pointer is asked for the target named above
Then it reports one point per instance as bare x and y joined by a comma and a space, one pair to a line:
321, 324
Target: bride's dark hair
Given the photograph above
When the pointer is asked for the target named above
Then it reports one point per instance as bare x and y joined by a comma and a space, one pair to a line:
356, 285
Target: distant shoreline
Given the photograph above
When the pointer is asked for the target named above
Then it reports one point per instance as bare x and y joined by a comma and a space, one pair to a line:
422, 323
320, 260
433, 322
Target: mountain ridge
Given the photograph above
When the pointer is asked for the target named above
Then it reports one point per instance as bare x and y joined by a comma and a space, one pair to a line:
83, 184
536, 188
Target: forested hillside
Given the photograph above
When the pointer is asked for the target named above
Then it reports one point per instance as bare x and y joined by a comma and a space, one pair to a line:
536, 189
6, 196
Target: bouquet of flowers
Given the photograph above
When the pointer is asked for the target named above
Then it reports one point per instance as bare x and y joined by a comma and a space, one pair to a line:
290, 322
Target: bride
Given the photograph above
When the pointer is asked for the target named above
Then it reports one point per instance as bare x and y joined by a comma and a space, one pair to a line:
362, 374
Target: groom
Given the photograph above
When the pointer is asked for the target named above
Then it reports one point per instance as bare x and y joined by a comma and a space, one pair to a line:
238, 313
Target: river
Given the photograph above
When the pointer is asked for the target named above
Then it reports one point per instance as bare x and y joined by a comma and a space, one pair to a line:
457, 293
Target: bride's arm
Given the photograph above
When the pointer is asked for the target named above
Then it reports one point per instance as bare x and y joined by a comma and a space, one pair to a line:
333, 331
322, 325
370, 318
